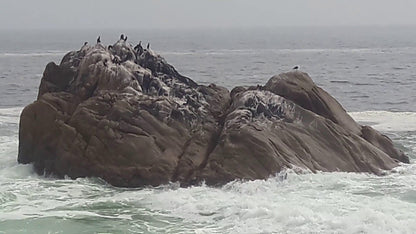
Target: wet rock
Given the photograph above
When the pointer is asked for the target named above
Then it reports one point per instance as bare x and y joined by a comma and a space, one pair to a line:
299, 87
129, 117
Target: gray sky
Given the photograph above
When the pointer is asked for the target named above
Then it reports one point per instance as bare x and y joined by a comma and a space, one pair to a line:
22, 14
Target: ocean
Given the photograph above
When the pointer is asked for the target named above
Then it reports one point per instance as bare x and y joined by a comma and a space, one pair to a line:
369, 70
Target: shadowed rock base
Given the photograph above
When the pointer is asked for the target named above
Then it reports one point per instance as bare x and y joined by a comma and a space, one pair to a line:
129, 117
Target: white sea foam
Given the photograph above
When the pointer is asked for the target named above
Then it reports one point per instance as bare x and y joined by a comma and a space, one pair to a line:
307, 203
9, 119
387, 121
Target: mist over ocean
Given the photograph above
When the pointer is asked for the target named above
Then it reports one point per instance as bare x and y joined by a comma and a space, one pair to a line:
371, 71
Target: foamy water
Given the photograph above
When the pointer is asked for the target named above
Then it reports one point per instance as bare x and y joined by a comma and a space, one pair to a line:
302, 203
387, 121
364, 69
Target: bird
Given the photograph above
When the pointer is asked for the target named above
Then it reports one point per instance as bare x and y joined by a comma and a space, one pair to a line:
125, 38
85, 43
295, 67
99, 39
110, 47
122, 37
138, 46
148, 46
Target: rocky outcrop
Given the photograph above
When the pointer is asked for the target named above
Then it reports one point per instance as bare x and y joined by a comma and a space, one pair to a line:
129, 117
300, 88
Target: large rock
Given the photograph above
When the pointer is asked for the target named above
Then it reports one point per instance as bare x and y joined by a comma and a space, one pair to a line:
299, 87
129, 117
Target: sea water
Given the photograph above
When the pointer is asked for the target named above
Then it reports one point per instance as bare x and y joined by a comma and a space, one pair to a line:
369, 70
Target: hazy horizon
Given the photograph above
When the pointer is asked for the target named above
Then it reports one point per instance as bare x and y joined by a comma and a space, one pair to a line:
189, 14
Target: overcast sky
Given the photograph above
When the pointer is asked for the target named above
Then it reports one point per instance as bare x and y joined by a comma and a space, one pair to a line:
32, 14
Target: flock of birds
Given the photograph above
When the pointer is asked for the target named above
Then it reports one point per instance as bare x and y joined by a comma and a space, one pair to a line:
124, 38
116, 59
139, 47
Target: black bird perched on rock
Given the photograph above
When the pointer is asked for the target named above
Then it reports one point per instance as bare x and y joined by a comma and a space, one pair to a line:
125, 38
110, 47
122, 37
295, 67
99, 39
148, 46
138, 46
85, 43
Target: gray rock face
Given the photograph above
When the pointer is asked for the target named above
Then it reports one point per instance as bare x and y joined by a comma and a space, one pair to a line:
129, 117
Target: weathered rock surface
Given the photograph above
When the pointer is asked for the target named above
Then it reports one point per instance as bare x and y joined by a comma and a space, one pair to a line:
129, 117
